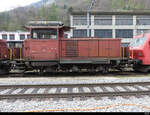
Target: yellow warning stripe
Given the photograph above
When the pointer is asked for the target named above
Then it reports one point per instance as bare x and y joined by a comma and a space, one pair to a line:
11, 54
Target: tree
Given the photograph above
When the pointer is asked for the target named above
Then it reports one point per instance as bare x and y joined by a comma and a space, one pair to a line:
138, 6
43, 14
4, 21
70, 9
53, 13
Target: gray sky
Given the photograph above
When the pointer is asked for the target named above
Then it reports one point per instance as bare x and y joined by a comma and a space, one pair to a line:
6, 5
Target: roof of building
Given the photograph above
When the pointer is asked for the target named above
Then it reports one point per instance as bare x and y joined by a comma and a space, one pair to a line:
115, 12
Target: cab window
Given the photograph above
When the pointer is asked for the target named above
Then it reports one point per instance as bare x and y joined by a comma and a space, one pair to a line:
44, 34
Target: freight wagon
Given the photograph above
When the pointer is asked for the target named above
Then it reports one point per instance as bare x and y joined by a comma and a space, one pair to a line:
4, 57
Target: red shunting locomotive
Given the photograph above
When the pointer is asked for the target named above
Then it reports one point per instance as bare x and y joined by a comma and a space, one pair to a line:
47, 50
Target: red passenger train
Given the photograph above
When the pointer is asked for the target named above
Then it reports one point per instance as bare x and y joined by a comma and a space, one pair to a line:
140, 52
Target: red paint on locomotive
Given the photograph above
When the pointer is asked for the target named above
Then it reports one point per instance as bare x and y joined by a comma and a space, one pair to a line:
140, 48
4, 51
40, 49
87, 48
48, 43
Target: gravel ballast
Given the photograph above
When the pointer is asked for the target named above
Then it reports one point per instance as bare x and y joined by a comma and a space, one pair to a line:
102, 104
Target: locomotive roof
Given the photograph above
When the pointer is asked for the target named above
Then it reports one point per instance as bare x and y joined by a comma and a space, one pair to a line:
47, 25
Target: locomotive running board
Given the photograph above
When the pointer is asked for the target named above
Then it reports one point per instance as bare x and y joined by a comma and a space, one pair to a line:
100, 61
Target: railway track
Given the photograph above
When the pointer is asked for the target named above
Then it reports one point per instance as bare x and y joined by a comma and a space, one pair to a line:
74, 90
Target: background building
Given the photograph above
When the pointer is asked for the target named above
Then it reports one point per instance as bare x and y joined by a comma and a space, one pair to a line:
122, 25
14, 39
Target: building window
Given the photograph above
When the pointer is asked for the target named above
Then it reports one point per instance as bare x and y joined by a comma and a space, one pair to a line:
22, 37
124, 20
12, 37
141, 31
4, 36
103, 20
143, 20
103, 33
124, 33
80, 20
28, 36
80, 33
11, 45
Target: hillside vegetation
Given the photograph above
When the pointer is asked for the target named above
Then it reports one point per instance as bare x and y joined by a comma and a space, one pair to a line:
17, 18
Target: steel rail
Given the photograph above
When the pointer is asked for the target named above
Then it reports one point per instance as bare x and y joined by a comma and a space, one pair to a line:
68, 95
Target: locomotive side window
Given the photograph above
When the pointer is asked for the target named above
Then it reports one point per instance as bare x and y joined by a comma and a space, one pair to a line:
44, 34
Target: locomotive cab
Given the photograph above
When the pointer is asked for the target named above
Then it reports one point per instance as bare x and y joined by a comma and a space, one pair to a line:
41, 50
44, 40
139, 52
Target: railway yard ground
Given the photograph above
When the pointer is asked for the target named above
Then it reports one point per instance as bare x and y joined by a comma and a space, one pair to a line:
117, 102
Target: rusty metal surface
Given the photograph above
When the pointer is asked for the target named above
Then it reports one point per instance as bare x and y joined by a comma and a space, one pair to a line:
41, 49
91, 48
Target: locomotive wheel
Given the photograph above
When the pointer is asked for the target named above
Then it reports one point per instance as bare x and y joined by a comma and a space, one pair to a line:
41, 72
105, 70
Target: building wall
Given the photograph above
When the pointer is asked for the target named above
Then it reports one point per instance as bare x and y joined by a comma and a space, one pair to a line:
16, 35
14, 39
120, 26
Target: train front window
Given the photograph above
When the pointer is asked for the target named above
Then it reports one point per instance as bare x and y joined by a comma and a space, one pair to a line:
136, 42
44, 34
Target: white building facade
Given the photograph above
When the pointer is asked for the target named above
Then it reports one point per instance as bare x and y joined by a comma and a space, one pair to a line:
14, 39
122, 25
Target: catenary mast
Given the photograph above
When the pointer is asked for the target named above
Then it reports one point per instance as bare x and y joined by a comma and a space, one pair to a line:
88, 16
